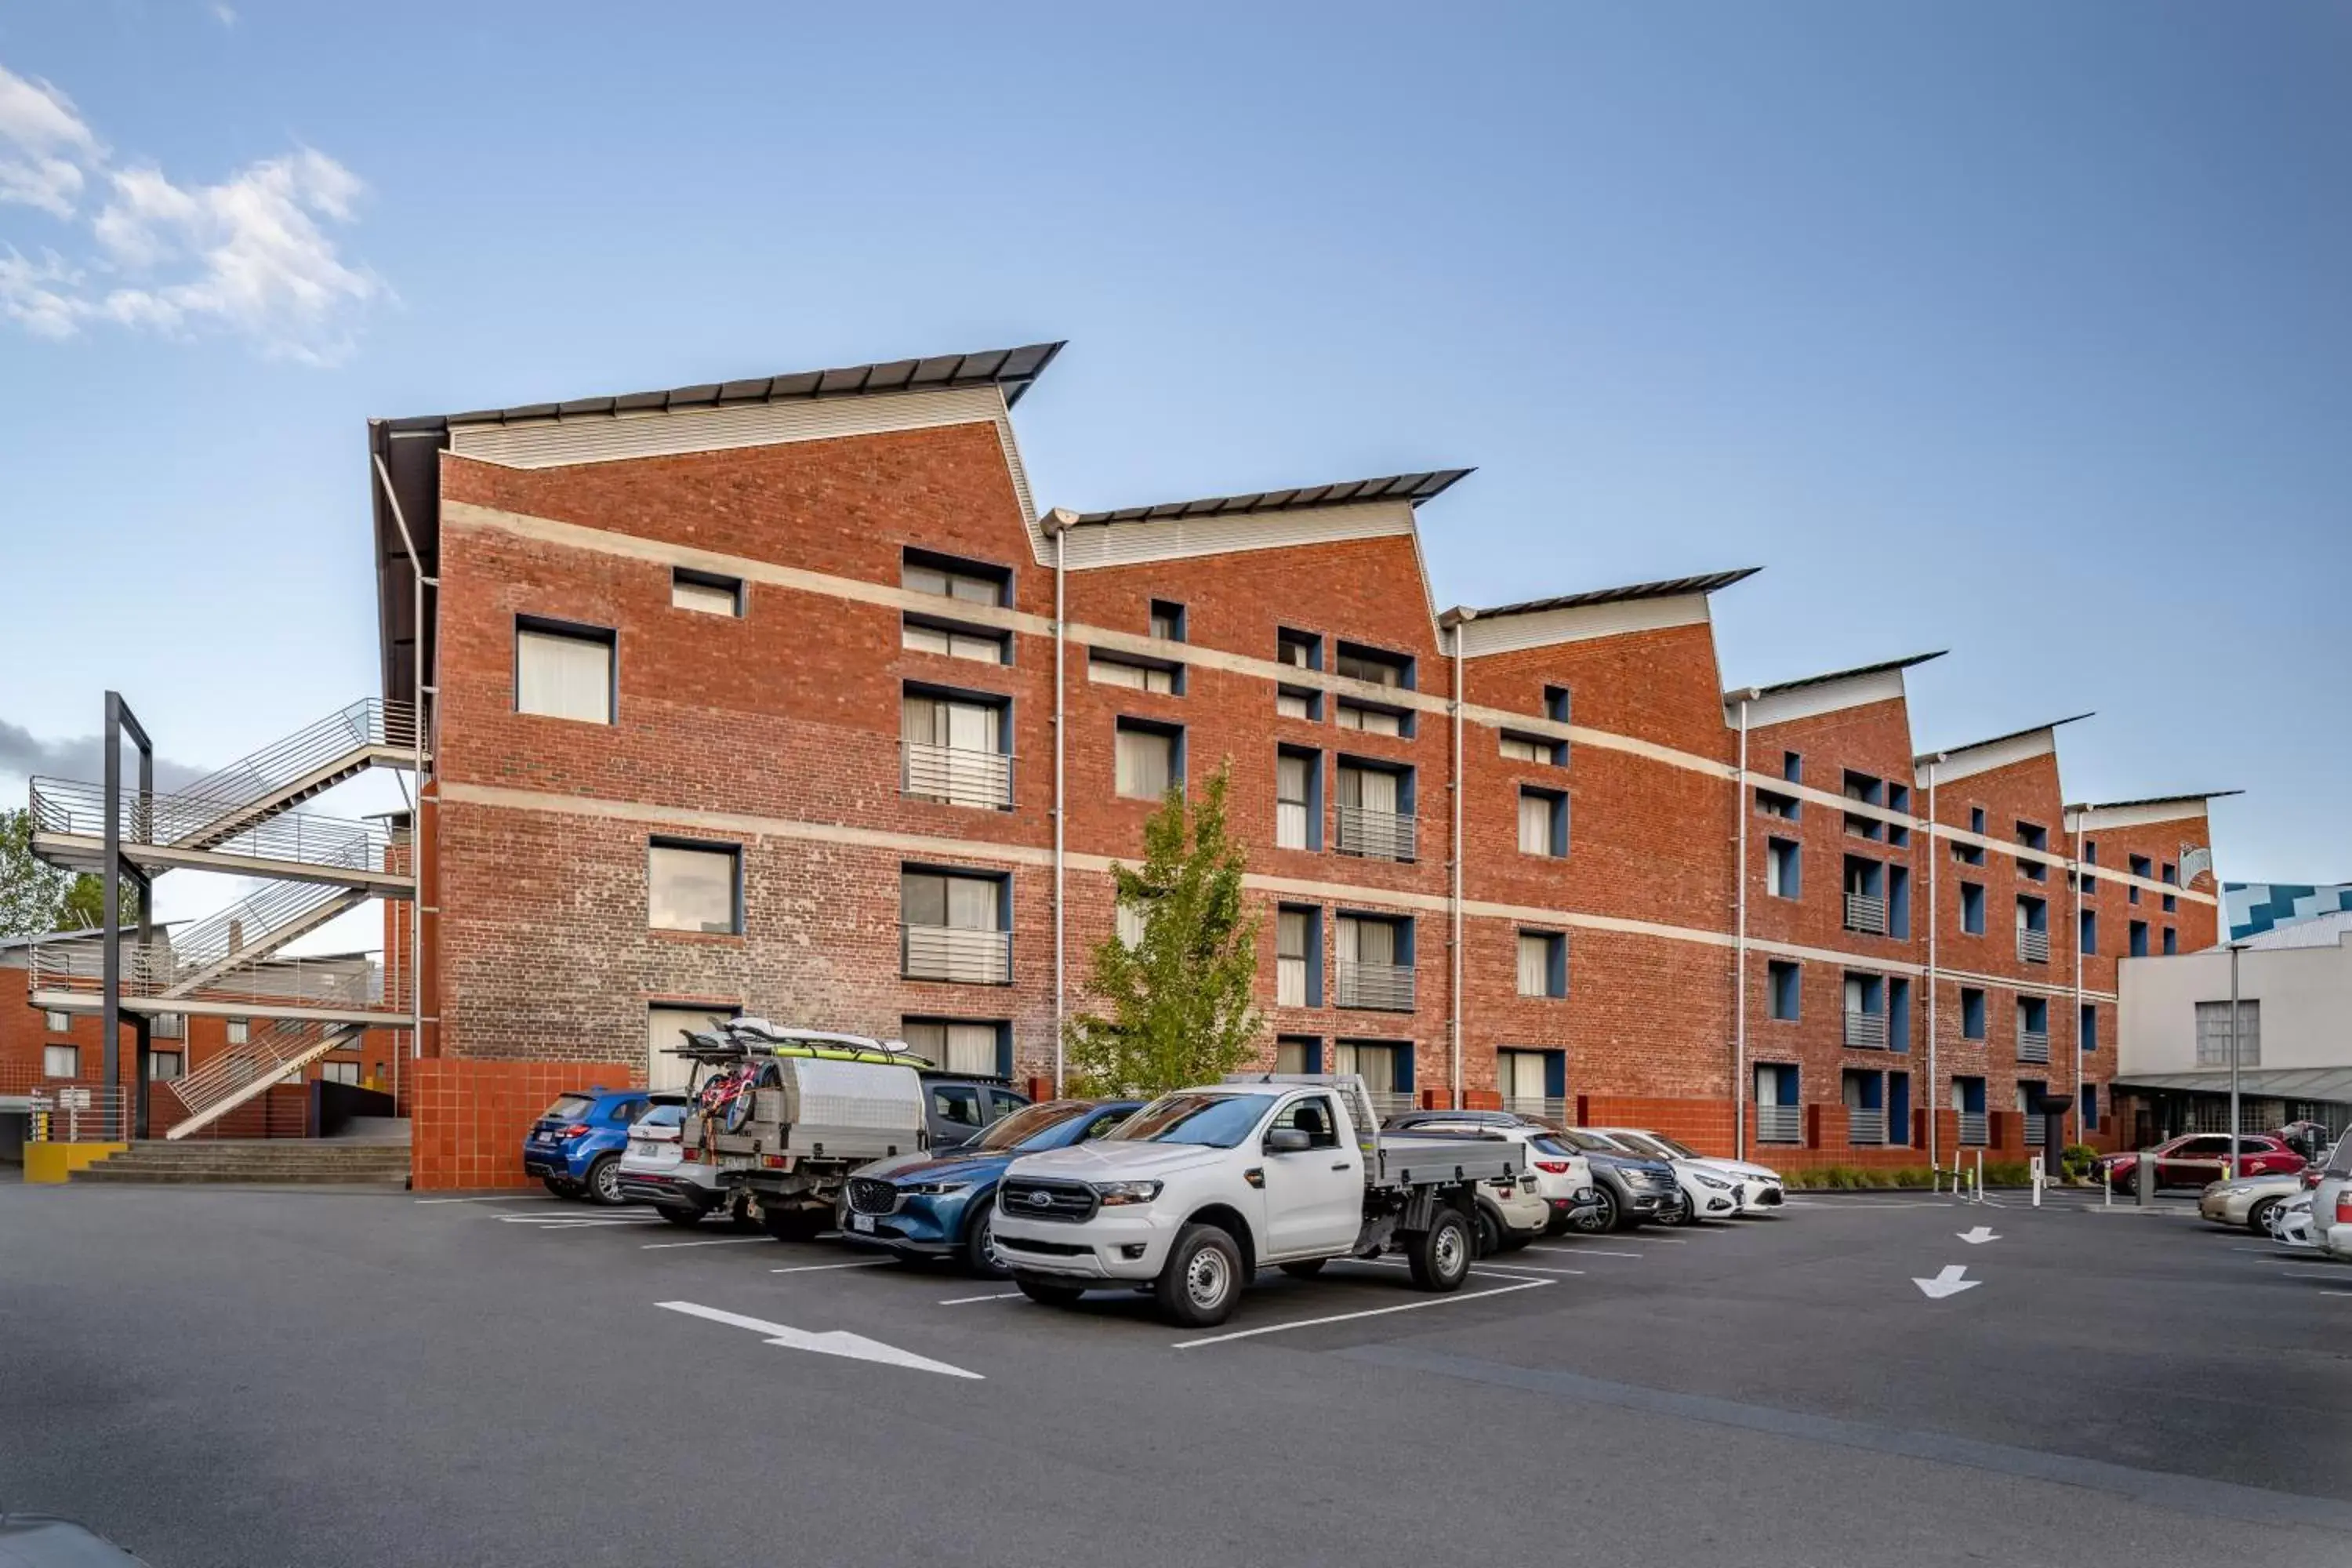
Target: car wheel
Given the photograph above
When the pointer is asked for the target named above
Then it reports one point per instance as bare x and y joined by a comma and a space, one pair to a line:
1489, 1233
978, 1256
1514, 1239
2257, 1218
1049, 1292
604, 1182
1305, 1268
739, 1214
1683, 1213
558, 1186
1440, 1257
1203, 1279
1600, 1220
684, 1218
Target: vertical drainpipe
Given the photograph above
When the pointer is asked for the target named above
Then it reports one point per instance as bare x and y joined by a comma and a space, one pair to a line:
1056, 523
418, 584
1454, 621
1935, 1097
1740, 948
2077, 878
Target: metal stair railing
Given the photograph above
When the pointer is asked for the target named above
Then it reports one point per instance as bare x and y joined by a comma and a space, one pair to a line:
268, 1054
252, 929
69, 809
287, 772
151, 974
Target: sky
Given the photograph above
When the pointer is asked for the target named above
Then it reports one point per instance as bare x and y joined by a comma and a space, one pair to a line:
2013, 329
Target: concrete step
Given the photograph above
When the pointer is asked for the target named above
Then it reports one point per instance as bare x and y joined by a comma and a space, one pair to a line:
274, 1161
373, 1130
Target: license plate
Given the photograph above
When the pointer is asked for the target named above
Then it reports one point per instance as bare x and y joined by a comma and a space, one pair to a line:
864, 1222
642, 1147
734, 1161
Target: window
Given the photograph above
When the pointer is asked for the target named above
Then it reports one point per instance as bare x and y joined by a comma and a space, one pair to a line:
1300, 650
1297, 800
1297, 1054
1385, 1067
1107, 670
1376, 812
956, 1106
2090, 1025
2171, 942
1972, 908
1530, 1078
666, 1028
2091, 1108
2139, 867
1298, 702
1150, 760
237, 1030
953, 927
1972, 1012
1543, 823
2171, 879
2139, 948
1533, 749
972, 581
1792, 767
951, 749
57, 1023
1313, 1116
706, 594
1783, 873
1543, 963
693, 887
1782, 978
1772, 803
1128, 919
1166, 621
976, 1049
2088, 937
1862, 788
1372, 721
348, 1073
1899, 799
62, 1061
2213, 1033
1380, 668
955, 642
1976, 819
564, 672
1375, 963
1558, 705
1297, 973
170, 1026
162, 1066
2033, 837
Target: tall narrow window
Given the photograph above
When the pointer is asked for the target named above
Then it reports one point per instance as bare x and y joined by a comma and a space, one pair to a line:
1783, 875
1295, 825
1166, 621
1972, 1012
1543, 963
1972, 908
1292, 928
1782, 981
564, 672
952, 927
1147, 759
951, 750
1543, 821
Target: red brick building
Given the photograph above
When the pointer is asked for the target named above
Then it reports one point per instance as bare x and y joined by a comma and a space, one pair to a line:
771, 697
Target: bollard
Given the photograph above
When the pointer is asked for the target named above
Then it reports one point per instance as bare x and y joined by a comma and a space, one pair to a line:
2034, 1172
2143, 1180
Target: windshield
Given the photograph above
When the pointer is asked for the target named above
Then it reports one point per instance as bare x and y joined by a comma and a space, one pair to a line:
2339, 1163
663, 1116
568, 1108
1213, 1120
1590, 1142
1026, 1124
1550, 1143
1643, 1144
1678, 1151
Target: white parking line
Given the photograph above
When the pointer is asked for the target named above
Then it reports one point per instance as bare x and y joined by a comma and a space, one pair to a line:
1367, 1313
1583, 1251
492, 1198
967, 1300
1517, 1270
2315, 1273
714, 1241
821, 1268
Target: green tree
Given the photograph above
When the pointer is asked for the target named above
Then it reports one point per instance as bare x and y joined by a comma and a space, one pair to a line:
32, 892
84, 906
1175, 1008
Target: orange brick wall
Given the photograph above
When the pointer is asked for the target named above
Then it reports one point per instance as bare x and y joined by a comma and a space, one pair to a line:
471, 1116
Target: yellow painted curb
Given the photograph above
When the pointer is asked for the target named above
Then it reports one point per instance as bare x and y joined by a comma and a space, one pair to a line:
53, 1163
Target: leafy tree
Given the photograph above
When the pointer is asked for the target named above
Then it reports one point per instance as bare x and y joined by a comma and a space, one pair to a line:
84, 906
1175, 1009
36, 896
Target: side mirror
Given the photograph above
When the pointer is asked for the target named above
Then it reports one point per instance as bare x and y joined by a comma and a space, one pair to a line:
1287, 1141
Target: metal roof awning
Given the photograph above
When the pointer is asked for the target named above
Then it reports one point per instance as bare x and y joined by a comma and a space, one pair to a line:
1672, 587
2331, 1084
1997, 740
1413, 487
1858, 672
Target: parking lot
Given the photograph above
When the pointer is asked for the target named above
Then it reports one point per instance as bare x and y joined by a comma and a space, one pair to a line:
235, 1377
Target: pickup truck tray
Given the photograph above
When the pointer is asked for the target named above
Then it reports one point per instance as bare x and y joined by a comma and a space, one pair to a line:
1404, 1160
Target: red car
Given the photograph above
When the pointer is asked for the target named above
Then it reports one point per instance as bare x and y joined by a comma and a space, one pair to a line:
2203, 1157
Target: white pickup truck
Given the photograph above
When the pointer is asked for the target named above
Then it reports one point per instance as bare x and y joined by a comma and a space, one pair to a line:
1201, 1188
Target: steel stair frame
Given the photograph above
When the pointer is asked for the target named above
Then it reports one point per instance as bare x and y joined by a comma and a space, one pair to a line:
307, 915
214, 1090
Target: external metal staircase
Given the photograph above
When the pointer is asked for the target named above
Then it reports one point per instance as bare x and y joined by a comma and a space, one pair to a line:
242, 820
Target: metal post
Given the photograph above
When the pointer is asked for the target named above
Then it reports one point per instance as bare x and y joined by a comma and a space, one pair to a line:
418, 581
2082, 1129
2234, 949
1454, 984
1935, 1095
1057, 522
1740, 806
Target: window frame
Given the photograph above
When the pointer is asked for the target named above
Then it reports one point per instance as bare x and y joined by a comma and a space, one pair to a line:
1784, 983
607, 637
50, 1056
953, 567
1556, 823
952, 629
1555, 962
1784, 862
1126, 723
733, 587
675, 844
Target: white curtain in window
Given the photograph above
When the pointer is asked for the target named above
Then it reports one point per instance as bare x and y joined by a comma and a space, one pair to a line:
1290, 803
1519, 1075
971, 1048
1291, 704
1291, 958
564, 676
1290, 1056
1534, 967
971, 903
1131, 919
1535, 825
1367, 788
1375, 1064
1367, 941
1144, 758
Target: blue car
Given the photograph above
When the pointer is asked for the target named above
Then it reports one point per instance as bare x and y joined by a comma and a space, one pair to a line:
940, 1205
575, 1145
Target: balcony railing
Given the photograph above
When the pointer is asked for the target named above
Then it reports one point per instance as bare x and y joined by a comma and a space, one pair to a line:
1290, 825
1972, 1129
1865, 1031
2032, 1045
954, 775
334, 984
1384, 987
2036, 1129
1376, 835
1865, 1126
1865, 913
2032, 946
1780, 1123
1548, 1108
957, 953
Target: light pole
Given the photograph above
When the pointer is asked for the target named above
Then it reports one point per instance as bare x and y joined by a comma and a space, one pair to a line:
2235, 948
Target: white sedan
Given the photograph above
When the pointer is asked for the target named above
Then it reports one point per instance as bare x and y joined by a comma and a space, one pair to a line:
1718, 1189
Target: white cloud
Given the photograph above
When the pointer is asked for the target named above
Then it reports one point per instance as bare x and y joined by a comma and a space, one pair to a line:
225, 15
251, 255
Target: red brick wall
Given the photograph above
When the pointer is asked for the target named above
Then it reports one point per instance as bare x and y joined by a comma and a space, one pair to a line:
471, 1116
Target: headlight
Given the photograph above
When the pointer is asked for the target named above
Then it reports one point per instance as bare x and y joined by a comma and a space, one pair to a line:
1705, 1180
1113, 1194
935, 1189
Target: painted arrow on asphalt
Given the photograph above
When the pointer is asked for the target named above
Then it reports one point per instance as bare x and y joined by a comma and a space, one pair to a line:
1947, 1283
840, 1342
1977, 1237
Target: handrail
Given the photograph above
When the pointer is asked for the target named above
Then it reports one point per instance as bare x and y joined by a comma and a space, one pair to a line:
956, 954
371, 721
73, 809
1376, 835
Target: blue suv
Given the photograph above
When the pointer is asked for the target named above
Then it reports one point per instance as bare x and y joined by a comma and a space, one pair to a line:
575, 1145
938, 1204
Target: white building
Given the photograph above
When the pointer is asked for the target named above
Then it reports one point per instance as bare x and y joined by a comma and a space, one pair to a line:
2294, 1036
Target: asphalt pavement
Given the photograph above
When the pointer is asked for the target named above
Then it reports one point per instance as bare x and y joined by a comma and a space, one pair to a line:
240, 1378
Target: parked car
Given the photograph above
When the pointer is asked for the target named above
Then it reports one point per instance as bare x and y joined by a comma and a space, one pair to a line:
959, 1108
2331, 1206
1633, 1188
655, 1171
1715, 1189
2289, 1224
1199, 1190
941, 1204
574, 1147
1556, 1173
2249, 1201
47, 1540
2196, 1158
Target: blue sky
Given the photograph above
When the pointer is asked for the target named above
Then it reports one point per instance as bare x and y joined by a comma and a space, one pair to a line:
2017, 329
